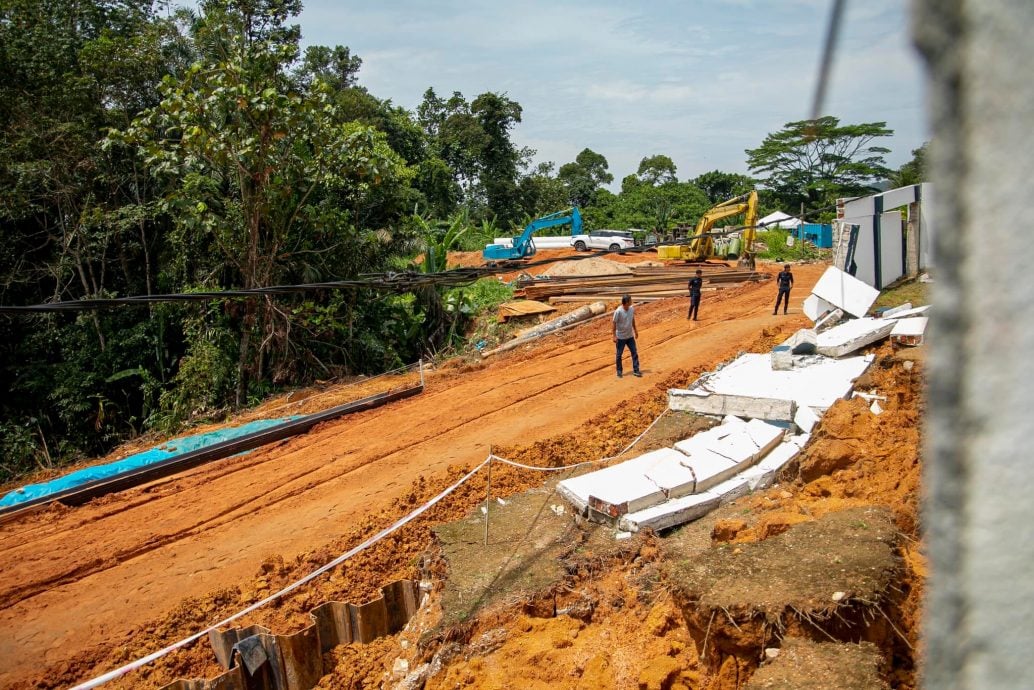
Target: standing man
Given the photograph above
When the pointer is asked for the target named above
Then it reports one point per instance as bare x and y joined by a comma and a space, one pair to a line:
694, 294
625, 333
785, 282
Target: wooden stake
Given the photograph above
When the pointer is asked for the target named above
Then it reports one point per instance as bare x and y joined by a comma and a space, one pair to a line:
488, 493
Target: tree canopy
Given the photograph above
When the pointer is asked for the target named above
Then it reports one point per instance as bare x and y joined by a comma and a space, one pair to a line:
815, 161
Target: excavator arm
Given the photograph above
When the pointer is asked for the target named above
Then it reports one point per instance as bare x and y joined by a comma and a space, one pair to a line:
523, 246
701, 245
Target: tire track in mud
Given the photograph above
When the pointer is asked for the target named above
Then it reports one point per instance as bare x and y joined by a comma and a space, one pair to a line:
230, 512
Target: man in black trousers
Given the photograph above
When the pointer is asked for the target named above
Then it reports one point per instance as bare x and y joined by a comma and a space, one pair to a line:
785, 282
694, 295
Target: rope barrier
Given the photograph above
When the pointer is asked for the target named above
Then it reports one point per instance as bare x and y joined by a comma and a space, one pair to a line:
143, 661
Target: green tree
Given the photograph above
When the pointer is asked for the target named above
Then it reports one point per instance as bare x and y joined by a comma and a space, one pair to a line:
912, 172
499, 157
584, 176
655, 170
719, 186
543, 191
815, 161
250, 156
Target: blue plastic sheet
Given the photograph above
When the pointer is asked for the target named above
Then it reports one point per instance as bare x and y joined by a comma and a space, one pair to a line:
169, 449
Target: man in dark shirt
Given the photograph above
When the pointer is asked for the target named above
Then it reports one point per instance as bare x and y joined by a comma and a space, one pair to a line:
785, 282
694, 295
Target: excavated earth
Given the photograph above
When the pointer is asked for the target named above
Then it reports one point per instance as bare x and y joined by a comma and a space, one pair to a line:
85, 590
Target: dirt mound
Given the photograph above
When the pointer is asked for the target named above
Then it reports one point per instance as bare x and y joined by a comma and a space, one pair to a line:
588, 267
807, 665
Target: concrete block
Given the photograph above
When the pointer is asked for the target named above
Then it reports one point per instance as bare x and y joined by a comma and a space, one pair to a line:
815, 307
671, 513
739, 448
805, 419
846, 292
909, 331
754, 407
853, 335
782, 358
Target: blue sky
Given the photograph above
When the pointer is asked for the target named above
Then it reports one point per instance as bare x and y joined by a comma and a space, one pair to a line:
697, 80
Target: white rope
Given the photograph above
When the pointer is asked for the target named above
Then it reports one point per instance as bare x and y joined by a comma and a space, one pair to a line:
132, 666
139, 663
564, 468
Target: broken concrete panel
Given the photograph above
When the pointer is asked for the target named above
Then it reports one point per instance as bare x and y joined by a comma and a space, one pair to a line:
732, 419
829, 320
846, 292
909, 331
815, 307
731, 489
805, 419
888, 313
815, 381
670, 474
779, 457
803, 342
757, 477
576, 490
711, 469
671, 513
908, 313
782, 358
765, 436
739, 448
800, 440
615, 495
753, 407
853, 335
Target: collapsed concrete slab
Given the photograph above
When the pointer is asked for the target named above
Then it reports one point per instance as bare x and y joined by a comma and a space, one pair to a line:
908, 313
846, 292
814, 307
706, 402
577, 490
909, 331
670, 473
888, 313
853, 335
814, 381
670, 514
829, 320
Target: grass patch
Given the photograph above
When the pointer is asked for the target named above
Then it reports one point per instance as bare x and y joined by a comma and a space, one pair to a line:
776, 249
910, 291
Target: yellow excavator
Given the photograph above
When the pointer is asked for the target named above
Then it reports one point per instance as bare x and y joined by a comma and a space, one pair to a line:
702, 245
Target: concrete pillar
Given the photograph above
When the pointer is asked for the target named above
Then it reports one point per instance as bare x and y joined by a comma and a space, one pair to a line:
912, 228
979, 511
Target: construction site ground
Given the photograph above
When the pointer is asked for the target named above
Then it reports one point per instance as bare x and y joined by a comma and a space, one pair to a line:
87, 589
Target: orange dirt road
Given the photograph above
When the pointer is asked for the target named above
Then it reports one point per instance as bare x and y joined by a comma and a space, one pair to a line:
73, 579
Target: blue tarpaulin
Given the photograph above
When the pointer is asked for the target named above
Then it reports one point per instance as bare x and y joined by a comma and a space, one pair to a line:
169, 449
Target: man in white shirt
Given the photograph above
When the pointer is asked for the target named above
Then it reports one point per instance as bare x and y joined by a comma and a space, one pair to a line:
625, 333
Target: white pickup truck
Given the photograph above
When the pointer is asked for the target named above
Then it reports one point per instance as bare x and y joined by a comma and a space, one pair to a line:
603, 239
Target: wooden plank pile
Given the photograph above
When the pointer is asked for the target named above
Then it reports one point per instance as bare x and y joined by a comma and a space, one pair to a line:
645, 283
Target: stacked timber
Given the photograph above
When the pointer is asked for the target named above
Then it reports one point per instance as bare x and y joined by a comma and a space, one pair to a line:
645, 284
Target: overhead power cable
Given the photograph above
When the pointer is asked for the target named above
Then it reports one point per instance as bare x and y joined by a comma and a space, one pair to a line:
402, 281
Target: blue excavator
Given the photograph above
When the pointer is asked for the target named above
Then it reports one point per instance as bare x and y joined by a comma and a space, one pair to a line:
523, 247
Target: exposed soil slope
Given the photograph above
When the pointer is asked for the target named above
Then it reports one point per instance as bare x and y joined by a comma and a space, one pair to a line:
82, 579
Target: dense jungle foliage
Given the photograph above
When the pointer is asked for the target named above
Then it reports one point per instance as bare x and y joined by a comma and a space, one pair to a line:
148, 149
